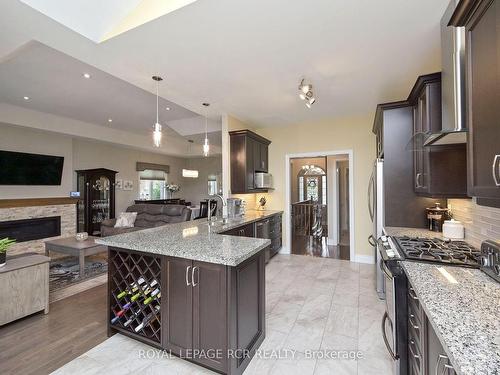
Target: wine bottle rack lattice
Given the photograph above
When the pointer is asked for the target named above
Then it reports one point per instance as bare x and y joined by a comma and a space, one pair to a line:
135, 296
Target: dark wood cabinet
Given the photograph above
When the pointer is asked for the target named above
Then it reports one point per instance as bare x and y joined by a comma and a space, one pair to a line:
201, 310
403, 206
210, 312
481, 19
178, 336
269, 228
248, 154
426, 355
438, 171
97, 199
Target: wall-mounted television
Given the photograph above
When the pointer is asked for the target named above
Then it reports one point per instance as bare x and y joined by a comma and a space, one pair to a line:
19, 168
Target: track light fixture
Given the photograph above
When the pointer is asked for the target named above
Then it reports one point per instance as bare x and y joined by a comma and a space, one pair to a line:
306, 94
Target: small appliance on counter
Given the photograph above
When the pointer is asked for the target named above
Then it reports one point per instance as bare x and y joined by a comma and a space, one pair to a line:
490, 259
234, 207
453, 230
436, 216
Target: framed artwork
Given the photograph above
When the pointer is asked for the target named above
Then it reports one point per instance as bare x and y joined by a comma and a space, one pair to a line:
128, 185
119, 184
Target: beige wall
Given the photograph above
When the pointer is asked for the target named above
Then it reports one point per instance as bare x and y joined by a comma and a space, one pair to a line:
196, 189
91, 154
85, 154
342, 134
15, 138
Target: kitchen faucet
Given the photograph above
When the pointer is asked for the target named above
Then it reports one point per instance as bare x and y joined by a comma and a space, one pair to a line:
224, 204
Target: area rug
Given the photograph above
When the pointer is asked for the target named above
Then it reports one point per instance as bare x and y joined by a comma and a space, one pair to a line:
65, 272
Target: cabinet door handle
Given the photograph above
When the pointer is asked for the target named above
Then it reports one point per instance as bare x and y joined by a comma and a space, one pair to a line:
440, 357
412, 343
187, 276
412, 294
192, 276
496, 169
412, 323
371, 240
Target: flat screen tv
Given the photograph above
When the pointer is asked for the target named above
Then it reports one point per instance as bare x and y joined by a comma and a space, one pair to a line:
19, 168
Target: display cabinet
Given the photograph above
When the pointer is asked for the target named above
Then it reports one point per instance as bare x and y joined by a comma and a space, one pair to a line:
97, 199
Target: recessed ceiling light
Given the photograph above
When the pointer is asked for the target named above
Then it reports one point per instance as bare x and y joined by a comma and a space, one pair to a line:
168, 108
26, 98
110, 120
86, 75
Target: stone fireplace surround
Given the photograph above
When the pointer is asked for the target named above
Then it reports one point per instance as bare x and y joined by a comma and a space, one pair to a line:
19, 209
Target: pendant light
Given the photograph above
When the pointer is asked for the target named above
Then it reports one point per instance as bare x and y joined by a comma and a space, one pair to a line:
157, 127
206, 146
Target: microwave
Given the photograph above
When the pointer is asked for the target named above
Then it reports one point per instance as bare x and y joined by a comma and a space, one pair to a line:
263, 180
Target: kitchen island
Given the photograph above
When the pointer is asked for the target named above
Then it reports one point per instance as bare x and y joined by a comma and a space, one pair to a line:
190, 290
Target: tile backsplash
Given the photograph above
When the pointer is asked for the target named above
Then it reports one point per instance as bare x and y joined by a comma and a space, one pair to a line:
480, 222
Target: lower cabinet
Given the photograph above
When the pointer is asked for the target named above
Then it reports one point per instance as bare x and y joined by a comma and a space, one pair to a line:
269, 228
212, 308
426, 355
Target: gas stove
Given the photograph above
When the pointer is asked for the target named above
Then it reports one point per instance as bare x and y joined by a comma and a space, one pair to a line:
435, 250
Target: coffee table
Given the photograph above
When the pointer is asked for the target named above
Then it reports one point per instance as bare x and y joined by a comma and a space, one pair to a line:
80, 249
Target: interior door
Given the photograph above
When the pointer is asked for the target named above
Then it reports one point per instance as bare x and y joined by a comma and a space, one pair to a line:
179, 333
210, 313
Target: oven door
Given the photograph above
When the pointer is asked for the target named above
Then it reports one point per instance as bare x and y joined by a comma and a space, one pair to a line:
389, 318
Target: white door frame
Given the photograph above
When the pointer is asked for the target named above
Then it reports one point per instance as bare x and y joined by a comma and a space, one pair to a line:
288, 246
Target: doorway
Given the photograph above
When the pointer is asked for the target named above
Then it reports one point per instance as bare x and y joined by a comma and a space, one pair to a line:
319, 203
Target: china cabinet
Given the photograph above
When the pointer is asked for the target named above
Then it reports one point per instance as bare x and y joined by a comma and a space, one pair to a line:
97, 199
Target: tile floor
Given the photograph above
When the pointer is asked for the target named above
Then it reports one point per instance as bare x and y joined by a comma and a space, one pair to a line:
312, 304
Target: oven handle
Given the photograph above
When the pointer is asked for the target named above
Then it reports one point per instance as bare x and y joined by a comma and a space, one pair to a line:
384, 268
384, 336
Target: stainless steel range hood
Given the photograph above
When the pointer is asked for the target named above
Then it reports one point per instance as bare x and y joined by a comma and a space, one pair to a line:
454, 126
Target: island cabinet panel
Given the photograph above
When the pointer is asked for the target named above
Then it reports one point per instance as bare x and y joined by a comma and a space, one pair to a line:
178, 337
246, 311
210, 314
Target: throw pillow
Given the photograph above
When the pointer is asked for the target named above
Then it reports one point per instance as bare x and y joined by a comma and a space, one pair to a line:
126, 220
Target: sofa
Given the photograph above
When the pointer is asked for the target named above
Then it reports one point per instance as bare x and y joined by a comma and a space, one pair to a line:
148, 216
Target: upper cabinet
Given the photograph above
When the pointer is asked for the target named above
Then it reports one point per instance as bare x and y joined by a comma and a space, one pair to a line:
249, 154
481, 19
438, 171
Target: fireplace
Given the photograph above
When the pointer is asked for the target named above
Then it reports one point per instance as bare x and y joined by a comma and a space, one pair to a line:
31, 229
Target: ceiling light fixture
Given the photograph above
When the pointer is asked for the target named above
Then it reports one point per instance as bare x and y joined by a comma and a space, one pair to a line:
110, 120
157, 127
86, 75
168, 108
206, 146
26, 98
306, 94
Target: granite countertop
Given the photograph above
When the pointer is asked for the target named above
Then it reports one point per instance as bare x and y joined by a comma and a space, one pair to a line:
412, 232
464, 312
196, 240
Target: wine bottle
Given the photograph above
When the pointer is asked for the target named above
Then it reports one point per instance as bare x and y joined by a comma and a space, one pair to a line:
155, 295
146, 320
134, 286
135, 296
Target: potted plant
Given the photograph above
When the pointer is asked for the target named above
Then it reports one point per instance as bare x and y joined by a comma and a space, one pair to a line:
4, 245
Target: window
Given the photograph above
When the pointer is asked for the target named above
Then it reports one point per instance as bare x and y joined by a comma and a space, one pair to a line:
152, 184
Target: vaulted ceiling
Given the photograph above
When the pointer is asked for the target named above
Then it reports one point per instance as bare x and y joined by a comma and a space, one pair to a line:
247, 57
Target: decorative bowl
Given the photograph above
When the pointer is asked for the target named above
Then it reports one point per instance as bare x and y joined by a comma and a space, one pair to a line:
82, 236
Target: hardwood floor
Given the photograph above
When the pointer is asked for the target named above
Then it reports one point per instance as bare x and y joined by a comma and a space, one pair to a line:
39, 344
307, 245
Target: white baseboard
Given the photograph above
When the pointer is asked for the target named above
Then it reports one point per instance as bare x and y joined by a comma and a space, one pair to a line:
368, 259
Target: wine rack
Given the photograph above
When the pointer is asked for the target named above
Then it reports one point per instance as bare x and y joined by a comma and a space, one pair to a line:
135, 294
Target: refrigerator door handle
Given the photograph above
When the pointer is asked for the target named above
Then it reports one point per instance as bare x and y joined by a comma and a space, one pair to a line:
370, 196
